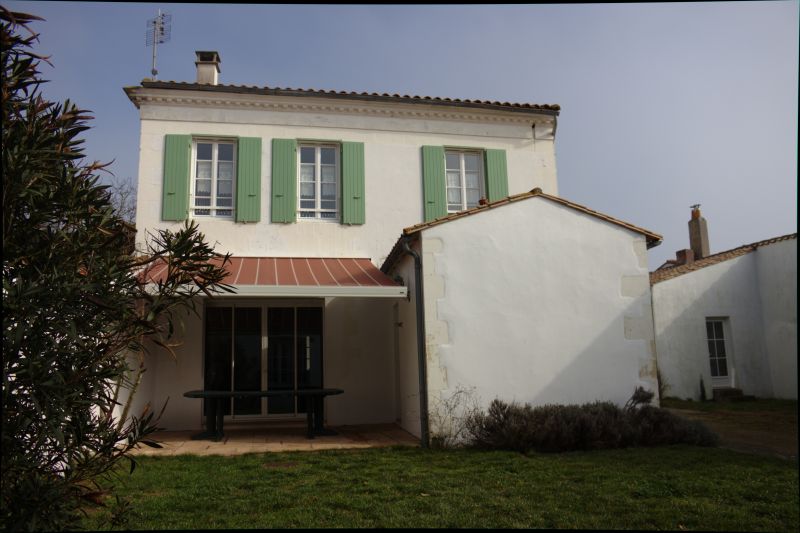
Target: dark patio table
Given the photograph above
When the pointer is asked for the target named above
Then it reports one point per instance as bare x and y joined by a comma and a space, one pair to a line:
315, 409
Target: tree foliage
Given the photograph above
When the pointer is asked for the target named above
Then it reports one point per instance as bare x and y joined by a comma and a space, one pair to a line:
77, 311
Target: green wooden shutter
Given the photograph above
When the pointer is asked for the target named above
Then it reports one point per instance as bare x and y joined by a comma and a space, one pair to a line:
175, 192
353, 203
284, 180
248, 180
433, 182
496, 175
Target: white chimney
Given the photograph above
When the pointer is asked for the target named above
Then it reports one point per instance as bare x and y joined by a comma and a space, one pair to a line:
207, 67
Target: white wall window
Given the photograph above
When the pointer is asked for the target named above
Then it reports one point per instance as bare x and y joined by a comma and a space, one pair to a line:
318, 196
717, 350
213, 177
464, 179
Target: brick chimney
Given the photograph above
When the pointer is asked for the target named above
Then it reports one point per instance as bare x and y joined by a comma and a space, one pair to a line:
684, 257
207, 67
698, 234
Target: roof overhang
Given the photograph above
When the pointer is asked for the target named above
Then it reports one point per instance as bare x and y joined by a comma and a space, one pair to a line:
302, 277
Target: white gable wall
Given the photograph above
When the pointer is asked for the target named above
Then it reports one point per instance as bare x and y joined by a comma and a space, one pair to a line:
393, 167
756, 292
536, 302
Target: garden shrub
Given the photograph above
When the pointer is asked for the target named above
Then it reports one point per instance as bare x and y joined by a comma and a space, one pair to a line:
591, 426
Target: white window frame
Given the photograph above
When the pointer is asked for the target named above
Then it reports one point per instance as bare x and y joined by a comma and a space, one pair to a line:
317, 209
462, 177
213, 208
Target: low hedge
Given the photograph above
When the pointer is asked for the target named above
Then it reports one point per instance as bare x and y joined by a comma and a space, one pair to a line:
591, 426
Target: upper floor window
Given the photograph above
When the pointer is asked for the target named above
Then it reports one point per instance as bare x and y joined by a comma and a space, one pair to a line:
464, 179
213, 177
319, 182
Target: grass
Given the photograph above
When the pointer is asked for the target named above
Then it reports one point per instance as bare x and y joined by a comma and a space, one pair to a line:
758, 404
673, 487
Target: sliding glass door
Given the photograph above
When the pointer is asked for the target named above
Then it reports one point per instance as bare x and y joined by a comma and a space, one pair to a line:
294, 355
263, 347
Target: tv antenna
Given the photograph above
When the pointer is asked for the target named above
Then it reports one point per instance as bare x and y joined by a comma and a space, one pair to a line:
158, 32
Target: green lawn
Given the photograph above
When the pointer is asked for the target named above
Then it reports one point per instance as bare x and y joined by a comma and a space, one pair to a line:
674, 487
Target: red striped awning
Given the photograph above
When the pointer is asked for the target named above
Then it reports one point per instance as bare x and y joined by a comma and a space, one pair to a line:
303, 276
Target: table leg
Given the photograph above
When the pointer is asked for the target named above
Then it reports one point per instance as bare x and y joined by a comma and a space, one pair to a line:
219, 435
319, 416
211, 419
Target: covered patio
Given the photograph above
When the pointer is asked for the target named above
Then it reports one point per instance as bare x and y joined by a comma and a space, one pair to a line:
283, 438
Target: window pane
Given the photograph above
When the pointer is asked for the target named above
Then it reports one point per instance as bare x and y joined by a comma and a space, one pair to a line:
328, 215
201, 211
306, 214
472, 180
225, 152
225, 188
307, 190
204, 170
714, 371
307, 155
473, 195
204, 151
453, 178
328, 156
712, 352
471, 162
720, 348
454, 207
306, 172
202, 188
709, 330
306, 204
328, 173
224, 170
454, 196
722, 367
202, 202
452, 161
224, 212
327, 204
718, 330
328, 191
224, 202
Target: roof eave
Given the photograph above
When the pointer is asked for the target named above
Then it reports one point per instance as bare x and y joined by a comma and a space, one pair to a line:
531, 109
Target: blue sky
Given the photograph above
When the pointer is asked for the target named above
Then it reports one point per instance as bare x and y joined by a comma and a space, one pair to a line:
664, 105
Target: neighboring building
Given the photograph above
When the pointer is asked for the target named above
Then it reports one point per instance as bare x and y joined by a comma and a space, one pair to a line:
309, 189
729, 318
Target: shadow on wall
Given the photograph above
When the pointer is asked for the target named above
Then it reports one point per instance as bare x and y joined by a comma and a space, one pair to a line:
681, 344
610, 373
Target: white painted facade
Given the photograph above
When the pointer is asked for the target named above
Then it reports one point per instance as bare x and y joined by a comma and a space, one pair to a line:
364, 338
393, 135
755, 294
535, 302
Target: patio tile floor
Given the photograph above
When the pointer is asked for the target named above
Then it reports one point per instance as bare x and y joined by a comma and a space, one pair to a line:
243, 440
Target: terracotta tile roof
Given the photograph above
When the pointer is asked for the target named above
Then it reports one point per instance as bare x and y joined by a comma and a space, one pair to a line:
653, 239
550, 109
668, 272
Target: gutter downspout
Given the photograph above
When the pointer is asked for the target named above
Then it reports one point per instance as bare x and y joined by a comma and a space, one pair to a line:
421, 359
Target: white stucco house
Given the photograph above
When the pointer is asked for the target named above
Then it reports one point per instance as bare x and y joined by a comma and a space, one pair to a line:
729, 318
396, 247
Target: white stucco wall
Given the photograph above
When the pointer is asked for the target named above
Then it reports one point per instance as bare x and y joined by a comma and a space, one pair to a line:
756, 293
393, 165
358, 357
777, 280
536, 302
408, 400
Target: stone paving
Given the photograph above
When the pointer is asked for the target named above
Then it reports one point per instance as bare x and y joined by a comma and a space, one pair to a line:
279, 439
